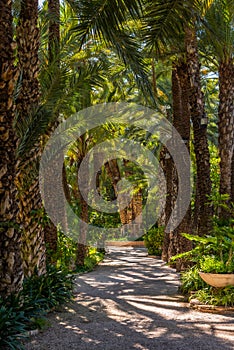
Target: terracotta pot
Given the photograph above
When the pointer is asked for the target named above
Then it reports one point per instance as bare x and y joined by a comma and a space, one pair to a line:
218, 279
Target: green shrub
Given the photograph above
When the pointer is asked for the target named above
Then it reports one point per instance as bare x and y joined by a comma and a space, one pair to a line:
213, 264
26, 311
48, 290
212, 253
65, 256
93, 259
13, 326
216, 296
154, 240
191, 280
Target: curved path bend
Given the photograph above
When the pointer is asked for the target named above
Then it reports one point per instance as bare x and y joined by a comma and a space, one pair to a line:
131, 302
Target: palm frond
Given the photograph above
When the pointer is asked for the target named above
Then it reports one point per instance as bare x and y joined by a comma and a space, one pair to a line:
30, 128
107, 21
100, 13
202, 6
164, 22
219, 28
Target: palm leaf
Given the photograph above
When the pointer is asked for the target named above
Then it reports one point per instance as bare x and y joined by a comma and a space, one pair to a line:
164, 22
219, 34
107, 21
30, 128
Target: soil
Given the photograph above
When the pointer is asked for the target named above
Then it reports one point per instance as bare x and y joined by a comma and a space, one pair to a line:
131, 302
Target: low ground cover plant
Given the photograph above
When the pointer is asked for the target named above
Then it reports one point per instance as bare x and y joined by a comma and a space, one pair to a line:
213, 253
40, 294
27, 310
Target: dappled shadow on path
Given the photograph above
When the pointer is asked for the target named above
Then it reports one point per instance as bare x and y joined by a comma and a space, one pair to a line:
131, 302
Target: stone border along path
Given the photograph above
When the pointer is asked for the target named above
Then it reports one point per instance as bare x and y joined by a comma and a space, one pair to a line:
130, 302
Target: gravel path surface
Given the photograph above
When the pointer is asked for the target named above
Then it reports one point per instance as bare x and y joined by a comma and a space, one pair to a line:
131, 302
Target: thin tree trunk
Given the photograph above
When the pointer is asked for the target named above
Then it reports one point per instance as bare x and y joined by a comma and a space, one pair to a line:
167, 165
82, 248
11, 272
112, 169
199, 120
154, 78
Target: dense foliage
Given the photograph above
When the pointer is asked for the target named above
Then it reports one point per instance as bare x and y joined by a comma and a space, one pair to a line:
26, 310
175, 57
154, 240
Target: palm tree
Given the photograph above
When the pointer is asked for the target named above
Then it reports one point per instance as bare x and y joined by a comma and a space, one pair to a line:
174, 243
30, 204
203, 211
51, 236
116, 36
220, 33
172, 22
108, 22
11, 273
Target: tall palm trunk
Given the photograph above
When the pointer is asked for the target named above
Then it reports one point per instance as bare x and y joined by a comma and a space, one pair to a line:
180, 86
166, 163
232, 179
174, 243
54, 29
202, 223
82, 247
226, 125
51, 236
30, 204
11, 273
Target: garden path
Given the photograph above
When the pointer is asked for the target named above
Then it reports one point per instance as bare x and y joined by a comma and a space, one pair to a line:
131, 302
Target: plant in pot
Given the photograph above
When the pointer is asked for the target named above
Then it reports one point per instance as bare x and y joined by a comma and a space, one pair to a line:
214, 254
217, 268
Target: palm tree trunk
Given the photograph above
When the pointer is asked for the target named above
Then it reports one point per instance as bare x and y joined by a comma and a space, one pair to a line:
167, 166
30, 204
174, 243
51, 235
232, 179
226, 125
169, 248
180, 86
113, 171
54, 29
11, 272
199, 120
82, 247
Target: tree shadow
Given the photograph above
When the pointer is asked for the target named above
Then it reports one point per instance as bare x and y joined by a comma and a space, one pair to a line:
132, 302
